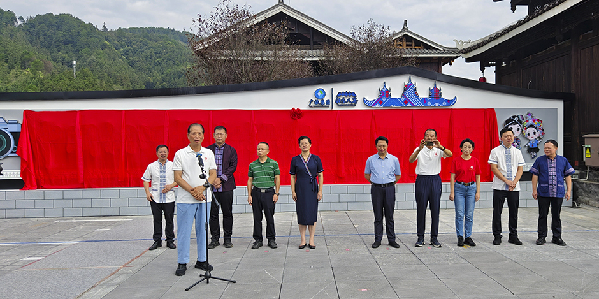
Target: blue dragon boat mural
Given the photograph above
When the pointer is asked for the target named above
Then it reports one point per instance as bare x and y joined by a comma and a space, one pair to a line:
410, 97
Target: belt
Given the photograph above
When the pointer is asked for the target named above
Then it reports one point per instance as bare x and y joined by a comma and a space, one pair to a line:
465, 184
383, 185
265, 190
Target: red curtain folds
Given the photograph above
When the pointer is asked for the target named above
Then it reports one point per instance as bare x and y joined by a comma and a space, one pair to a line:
111, 148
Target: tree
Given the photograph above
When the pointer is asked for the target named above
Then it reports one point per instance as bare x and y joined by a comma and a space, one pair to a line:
371, 48
229, 49
7, 18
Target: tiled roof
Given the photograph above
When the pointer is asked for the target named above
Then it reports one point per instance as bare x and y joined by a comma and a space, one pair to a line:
468, 46
286, 9
448, 52
438, 50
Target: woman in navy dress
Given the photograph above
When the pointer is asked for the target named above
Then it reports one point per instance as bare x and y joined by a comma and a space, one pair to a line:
306, 190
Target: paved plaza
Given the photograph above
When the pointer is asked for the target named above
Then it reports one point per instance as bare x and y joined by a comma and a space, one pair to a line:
107, 257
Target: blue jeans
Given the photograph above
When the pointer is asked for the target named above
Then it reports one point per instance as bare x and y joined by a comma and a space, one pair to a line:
186, 212
464, 199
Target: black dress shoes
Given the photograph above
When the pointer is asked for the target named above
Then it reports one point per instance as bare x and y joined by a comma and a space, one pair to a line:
204, 266
540, 241
155, 245
497, 240
558, 241
311, 246
181, 269
376, 244
171, 245
515, 241
393, 244
302, 246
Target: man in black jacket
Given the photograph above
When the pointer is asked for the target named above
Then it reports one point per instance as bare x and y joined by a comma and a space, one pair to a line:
226, 162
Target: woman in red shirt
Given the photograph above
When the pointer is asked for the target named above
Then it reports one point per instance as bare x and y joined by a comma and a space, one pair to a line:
465, 190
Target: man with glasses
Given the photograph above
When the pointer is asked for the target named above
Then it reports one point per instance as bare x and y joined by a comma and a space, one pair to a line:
226, 163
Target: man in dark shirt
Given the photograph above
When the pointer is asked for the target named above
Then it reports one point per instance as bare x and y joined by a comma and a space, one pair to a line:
548, 175
226, 162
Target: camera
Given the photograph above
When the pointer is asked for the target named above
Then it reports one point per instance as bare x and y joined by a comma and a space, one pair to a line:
429, 143
10, 130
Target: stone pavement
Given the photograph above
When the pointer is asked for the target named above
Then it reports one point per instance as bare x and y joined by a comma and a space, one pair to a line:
107, 257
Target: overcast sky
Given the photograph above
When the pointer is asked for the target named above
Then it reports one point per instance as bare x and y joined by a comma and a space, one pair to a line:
441, 21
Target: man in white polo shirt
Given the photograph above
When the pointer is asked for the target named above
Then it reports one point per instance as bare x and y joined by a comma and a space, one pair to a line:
161, 196
428, 184
507, 164
191, 200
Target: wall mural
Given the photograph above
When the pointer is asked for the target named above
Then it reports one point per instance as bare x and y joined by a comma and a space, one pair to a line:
534, 132
410, 97
10, 130
516, 123
531, 127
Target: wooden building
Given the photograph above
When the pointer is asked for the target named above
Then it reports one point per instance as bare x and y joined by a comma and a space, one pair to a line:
554, 48
305, 33
309, 36
428, 54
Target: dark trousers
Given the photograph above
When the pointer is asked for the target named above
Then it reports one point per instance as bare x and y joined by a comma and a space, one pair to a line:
383, 204
513, 201
225, 200
428, 190
556, 222
262, 201
169, 212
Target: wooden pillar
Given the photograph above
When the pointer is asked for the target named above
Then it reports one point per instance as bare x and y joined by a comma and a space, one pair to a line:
498, 73
575, 85
311, 39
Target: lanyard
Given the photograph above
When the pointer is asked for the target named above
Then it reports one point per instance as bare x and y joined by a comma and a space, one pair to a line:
312, 180
306, 165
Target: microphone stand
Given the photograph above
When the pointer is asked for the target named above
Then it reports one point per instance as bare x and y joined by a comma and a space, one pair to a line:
207, 275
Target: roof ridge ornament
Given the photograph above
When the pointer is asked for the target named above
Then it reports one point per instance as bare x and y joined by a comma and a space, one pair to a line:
405, 23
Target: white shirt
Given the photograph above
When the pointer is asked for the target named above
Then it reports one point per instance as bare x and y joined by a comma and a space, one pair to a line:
153, 173
429, 161
187, 161
507, 161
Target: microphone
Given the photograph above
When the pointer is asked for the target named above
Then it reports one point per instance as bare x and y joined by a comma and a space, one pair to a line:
200, 160
201, 164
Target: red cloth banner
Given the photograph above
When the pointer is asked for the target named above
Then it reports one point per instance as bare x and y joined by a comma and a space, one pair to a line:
111, 148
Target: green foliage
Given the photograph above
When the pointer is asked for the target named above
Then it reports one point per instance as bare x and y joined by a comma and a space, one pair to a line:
38, 55
7, 18
159, 55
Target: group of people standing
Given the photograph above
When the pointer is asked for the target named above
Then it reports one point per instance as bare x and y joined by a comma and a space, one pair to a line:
204, 173
551, 180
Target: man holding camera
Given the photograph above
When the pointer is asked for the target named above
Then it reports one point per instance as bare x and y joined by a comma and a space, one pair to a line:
190, 167
428, 183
